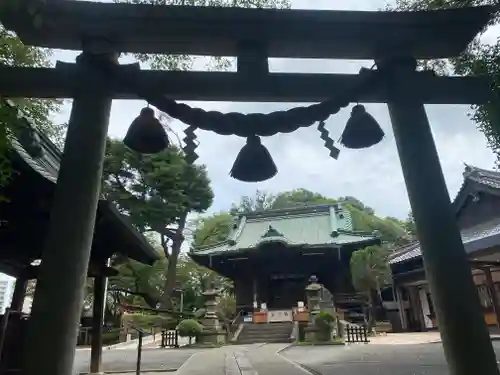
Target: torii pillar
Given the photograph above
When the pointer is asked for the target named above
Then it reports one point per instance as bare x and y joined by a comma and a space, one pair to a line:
466, 340
57, 305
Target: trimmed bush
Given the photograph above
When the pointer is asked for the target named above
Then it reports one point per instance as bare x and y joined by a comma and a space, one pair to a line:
146, 321
189, 328
324, 324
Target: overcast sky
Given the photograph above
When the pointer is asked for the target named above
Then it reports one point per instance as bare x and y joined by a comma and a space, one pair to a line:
372, 175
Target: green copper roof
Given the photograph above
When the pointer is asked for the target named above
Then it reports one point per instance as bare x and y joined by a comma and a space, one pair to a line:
313, 226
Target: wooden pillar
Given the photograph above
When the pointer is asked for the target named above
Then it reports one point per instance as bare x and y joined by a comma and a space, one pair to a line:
454, 295
401, 307
255, 293
53, 327
493, 293
98, 309
19, 294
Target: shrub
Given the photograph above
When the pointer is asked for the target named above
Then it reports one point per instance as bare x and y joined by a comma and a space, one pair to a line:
324, 322
110, 338
189, 328
146, 321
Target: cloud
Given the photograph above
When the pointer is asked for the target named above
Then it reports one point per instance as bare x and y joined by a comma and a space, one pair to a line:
374, 175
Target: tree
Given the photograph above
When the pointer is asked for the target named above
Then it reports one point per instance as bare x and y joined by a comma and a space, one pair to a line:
260, 202
212, 229
477, 59
370, 271
299, 197
409, 225
157, 192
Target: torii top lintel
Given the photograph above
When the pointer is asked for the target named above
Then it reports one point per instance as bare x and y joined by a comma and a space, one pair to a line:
218, 31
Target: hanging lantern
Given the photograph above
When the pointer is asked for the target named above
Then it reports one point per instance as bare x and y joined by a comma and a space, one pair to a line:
146, 134
254, 163
362, 130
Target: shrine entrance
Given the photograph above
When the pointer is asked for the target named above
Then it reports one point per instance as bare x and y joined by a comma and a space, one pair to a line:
394, 40
286, 290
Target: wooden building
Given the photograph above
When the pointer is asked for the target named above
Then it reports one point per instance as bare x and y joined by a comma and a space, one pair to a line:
477, 207
271, 255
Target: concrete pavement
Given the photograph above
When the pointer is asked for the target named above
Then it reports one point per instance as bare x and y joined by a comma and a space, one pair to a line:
370, 359
257, 359
125, 359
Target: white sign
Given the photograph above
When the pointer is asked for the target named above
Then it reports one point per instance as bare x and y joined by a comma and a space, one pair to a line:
280, 316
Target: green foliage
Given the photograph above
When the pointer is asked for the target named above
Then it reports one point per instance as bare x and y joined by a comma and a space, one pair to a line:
111, 337
147, 321
154, 190
298, 198
227, 305
212, 229
370, 269
189, 328
324, 321
390, 231
410, 227
157, 192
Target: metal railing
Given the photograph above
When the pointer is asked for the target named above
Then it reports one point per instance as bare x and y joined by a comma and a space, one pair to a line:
355, 333
169, 338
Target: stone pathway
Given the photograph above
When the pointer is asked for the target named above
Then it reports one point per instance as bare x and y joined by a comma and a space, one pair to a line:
258, 359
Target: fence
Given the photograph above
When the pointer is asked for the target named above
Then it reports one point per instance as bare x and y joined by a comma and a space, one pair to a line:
169, 339
355, 333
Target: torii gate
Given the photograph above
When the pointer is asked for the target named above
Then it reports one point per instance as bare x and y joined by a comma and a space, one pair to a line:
393, 39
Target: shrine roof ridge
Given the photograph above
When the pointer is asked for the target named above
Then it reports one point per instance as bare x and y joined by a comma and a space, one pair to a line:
224, 31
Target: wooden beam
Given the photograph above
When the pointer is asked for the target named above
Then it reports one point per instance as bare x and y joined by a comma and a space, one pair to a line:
217, 31
234, 87
480, 264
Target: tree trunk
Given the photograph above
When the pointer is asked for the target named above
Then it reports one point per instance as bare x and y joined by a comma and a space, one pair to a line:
371, 312
170, 274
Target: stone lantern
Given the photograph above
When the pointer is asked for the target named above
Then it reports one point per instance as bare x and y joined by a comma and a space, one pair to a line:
210, 320
313, 295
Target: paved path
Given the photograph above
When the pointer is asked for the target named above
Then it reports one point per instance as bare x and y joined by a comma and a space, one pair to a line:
370, 359
125, 359
257, 359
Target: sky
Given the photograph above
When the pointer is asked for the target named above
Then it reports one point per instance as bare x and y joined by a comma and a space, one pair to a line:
372, 175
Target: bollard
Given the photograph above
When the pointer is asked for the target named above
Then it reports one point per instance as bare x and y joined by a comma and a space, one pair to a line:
139, 353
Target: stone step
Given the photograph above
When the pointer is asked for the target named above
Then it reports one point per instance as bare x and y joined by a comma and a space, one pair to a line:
270, 335
264, 340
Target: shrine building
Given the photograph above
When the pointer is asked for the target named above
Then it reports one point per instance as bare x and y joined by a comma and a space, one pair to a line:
477, 213
271, 255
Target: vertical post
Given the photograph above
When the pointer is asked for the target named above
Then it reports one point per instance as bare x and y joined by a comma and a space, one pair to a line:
466, 340
19, 294
53, 327
139, 354
401, 308
493, 293
97, 323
